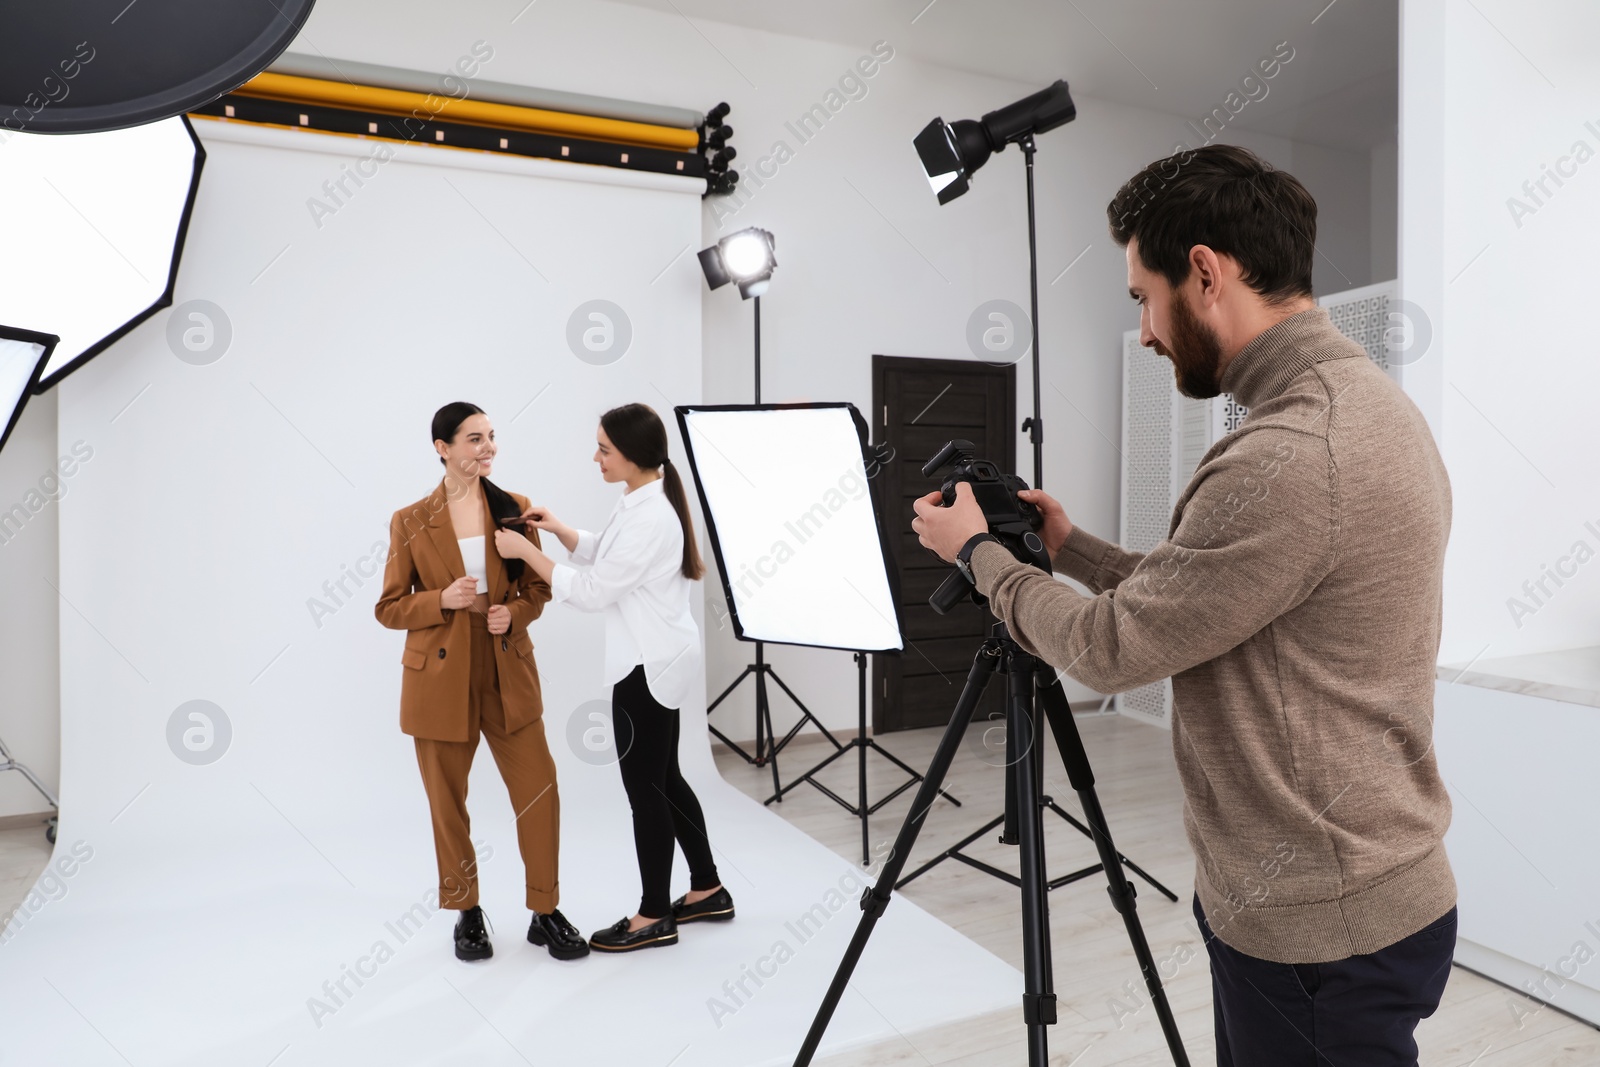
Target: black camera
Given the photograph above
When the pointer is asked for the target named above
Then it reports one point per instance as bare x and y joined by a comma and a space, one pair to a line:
1013, 520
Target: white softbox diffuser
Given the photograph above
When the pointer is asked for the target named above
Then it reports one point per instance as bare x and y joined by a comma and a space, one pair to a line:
792, 524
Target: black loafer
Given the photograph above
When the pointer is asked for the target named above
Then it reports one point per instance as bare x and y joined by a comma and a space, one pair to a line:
618, 938
562, 938
717, 908
472, 940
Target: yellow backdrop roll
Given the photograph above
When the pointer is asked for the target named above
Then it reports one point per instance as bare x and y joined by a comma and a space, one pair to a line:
429, 106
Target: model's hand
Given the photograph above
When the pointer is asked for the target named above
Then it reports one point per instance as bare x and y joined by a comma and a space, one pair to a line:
946, 529
459, 593
499, 619
512, 545
1056, 524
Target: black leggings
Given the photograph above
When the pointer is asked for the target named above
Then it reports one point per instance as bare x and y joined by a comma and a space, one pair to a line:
664, 807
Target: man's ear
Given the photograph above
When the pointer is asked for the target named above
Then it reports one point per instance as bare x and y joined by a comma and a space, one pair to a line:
1207, 267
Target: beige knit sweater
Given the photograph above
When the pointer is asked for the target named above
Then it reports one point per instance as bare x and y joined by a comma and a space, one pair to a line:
1296, 607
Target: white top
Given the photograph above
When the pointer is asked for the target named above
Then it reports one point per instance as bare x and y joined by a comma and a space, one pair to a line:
634, 573
476, 559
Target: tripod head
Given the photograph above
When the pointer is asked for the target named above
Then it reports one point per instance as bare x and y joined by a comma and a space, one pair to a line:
1011, 519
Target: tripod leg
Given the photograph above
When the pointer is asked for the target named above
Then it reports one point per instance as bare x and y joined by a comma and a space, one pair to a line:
1076, 761
876, 899
1022, 733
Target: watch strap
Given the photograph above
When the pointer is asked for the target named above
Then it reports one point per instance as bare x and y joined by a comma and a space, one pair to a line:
965, 555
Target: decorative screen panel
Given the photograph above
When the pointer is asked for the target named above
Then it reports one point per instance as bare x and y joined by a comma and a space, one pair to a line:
1363, 316
1156, 428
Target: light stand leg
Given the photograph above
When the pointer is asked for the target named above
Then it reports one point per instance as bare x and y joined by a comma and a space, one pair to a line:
724, 738
861, 743
764, 718
861, 762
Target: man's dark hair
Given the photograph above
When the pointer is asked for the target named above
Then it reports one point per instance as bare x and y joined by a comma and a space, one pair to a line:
1229, 199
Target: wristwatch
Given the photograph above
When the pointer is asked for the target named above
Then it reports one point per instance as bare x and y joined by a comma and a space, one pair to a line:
964, 557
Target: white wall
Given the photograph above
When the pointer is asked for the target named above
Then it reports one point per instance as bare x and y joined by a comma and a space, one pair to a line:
869, 261
1511, 377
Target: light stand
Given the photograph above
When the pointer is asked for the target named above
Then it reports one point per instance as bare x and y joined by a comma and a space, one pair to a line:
23, 356
746, 258
950, 152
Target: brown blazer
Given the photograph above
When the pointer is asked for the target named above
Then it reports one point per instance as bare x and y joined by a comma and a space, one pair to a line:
424, 557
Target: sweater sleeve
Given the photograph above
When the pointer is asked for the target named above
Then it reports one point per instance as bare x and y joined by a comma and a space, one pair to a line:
1098, 564
1256, 533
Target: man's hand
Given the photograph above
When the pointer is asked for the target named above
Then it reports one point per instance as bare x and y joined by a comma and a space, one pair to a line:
499, 619
946, 529
1056, 524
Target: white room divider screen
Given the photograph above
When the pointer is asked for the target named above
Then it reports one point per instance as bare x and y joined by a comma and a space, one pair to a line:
1165, 434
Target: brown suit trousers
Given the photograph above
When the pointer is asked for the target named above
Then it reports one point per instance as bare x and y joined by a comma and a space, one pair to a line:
530, 777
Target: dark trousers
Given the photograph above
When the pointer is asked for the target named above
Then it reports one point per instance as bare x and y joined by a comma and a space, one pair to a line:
1356, 1012
664, 807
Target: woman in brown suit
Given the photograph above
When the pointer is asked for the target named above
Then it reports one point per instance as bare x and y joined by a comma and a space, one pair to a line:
469, 670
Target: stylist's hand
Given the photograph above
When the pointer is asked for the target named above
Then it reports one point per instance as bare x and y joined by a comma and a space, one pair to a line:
1056, 524
499, 619
512, 545
459, 593
543, 518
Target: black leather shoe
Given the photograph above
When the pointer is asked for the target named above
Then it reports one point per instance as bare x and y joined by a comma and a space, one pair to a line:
562, 938
717, 908
617, 938
472, 941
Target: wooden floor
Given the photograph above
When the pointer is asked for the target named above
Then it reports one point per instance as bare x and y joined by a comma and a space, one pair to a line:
1104, 1016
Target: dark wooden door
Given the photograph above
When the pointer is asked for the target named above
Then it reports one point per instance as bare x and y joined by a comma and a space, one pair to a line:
918, 405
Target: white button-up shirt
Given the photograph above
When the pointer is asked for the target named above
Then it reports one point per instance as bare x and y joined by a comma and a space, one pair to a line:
633, 571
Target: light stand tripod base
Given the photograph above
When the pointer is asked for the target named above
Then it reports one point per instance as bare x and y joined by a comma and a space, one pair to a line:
862, 744
767, 748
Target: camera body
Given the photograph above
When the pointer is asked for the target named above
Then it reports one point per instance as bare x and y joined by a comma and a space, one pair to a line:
1013, 520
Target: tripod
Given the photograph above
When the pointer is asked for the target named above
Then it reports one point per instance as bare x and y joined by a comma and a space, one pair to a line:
1000, 653
767, 744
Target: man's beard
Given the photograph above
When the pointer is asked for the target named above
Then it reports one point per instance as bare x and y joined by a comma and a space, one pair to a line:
1196, 352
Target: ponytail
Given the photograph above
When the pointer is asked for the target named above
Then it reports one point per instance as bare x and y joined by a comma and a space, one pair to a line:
637, 432
693, 568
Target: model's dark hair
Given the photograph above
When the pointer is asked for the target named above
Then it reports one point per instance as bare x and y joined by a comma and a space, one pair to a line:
637, 432
1229, 199
446, 424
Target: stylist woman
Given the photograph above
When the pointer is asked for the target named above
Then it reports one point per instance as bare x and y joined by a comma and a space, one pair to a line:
468, 670
638, 572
